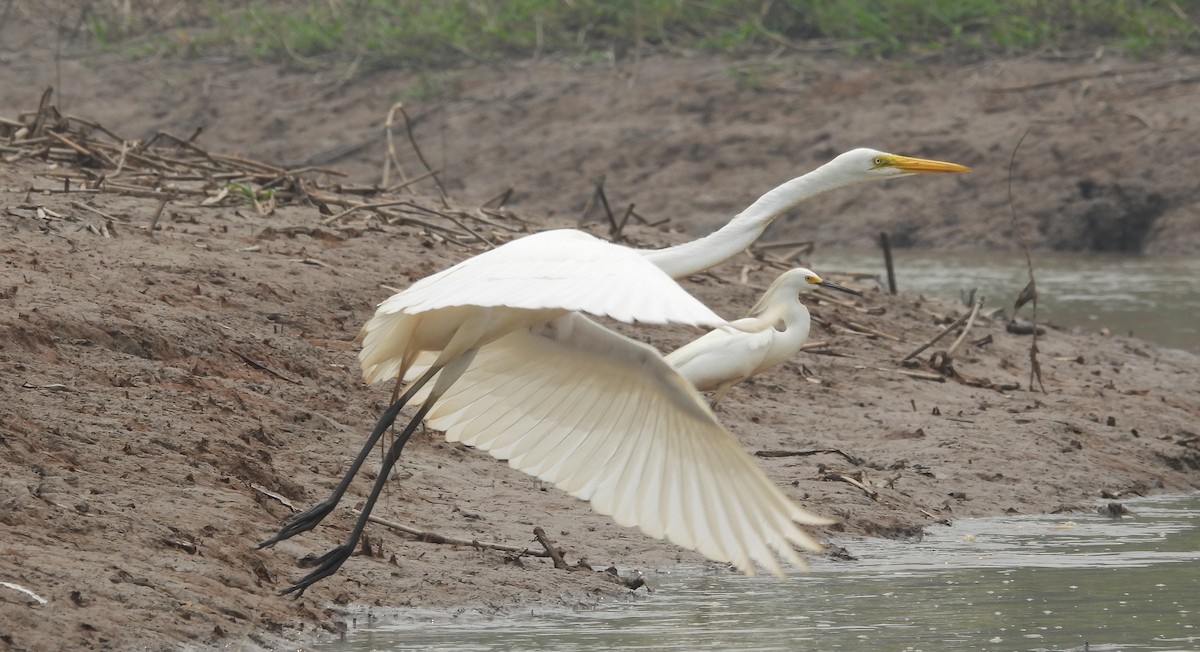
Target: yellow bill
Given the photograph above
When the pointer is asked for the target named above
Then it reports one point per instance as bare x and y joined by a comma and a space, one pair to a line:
920, 165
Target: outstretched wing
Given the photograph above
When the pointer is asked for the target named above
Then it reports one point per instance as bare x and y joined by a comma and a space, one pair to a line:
562, 269
604, 418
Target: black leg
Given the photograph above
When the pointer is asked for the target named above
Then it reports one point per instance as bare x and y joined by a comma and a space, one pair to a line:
309, 518
332, 560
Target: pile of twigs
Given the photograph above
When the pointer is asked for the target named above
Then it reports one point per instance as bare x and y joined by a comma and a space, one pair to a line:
91, 159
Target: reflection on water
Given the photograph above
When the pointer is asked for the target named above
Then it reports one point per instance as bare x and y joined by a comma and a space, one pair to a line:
1021, 583
1155, 298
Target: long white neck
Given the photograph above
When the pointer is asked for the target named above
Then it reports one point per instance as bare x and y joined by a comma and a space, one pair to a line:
717, 247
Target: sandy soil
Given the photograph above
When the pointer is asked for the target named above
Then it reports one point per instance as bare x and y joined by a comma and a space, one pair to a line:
1108, 162
156, 386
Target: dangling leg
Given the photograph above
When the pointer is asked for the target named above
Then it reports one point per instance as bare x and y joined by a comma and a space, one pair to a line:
332, 560
720, 394
309, 518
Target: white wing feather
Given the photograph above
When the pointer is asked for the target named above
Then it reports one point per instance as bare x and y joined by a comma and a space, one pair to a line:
561, 269
604, 418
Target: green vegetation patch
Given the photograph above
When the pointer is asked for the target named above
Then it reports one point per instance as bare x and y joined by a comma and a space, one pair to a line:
432, 33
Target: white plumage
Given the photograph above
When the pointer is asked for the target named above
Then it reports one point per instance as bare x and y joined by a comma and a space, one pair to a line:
630, 434
776, 328
606, 419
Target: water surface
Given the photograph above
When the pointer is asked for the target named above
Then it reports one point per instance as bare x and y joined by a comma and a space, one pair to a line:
1155, 298
1019, 583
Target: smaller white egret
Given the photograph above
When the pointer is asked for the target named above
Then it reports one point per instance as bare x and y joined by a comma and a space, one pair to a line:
777, 327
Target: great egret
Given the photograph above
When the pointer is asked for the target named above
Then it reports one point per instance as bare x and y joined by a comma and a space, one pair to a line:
775, 330
527, 288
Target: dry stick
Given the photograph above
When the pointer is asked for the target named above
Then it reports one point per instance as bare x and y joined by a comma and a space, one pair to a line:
500, 199
591, 202
1035, 368
392, 218
121, 159
456, 222
433, 537
377, 208
421, 157
95, 125
182, 142
966, 329
491, 223
136, 191
501, 214
354, 206
853, 459
958, 322
624, 221
1132, 70
886, 244
157, 214
919, 375
315, 168
862, 328
83, 151
39, 120
82, 206
404, 184
391, 158
602, 197
24, 591
468, 229
850, 480
551, 551
262, 367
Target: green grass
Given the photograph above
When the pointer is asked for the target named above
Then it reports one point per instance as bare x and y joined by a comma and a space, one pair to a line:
424, 34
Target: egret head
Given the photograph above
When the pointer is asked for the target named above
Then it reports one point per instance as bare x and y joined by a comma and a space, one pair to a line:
788, 288
804, 280
871, 163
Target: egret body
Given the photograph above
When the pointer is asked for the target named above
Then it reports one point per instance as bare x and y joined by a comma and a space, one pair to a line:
649, 452
776, 328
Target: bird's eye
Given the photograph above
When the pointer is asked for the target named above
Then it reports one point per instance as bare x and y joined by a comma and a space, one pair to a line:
812, 279
877, 161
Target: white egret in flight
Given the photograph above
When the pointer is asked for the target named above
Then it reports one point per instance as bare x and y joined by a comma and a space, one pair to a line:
775, 330
645, 451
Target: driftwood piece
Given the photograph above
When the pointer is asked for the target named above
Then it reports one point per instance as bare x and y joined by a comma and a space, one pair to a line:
851, 480
91, 159
867, 330
433, 537
25, 592
1035, 366
934, 340
966, 329
853, 459
552, 552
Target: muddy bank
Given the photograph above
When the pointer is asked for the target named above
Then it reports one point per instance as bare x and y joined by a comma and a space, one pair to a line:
161, 391
1106, 163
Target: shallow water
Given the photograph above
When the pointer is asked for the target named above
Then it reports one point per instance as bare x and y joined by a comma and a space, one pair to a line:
1153, 297
1019, 583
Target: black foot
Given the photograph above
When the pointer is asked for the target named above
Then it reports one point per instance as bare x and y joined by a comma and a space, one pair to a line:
302, 522
327, 564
